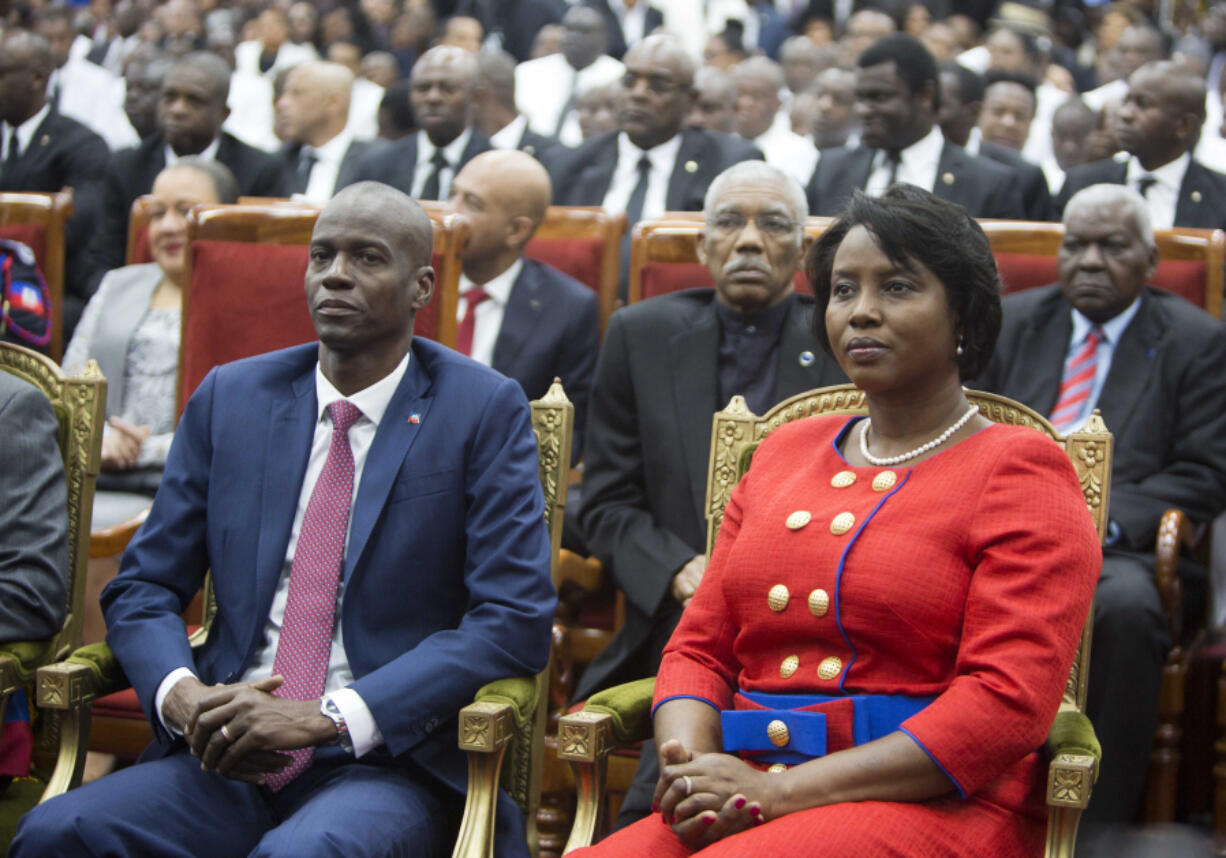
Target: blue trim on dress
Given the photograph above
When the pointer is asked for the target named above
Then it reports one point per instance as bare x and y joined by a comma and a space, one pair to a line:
944, 770
684, 697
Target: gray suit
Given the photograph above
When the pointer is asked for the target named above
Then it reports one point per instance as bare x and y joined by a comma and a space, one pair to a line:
33, 516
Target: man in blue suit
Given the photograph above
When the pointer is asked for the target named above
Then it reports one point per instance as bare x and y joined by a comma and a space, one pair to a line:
522, 317
374, 488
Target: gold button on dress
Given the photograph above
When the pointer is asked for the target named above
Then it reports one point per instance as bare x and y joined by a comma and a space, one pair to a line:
843, 479
789, 666
842, 523
884, 481
778, 733
819, 602
777, 598
798, 519
830, 667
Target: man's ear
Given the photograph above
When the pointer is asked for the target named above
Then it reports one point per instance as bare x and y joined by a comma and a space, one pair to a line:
521, 230
701, 246
424, 278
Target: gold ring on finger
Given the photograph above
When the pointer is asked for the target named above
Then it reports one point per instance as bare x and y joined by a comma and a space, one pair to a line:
689, 784
225, 733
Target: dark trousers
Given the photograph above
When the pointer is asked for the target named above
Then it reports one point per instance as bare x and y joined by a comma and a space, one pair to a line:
169, 807
1129, 646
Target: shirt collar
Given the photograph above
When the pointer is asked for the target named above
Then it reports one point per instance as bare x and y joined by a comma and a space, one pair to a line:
332, 152
973, 140
1169, 175
25, 131
209, 153
1113, 328
661, 156
767, 323
453, 151
926, 150
509, 135
499, 289
371, 401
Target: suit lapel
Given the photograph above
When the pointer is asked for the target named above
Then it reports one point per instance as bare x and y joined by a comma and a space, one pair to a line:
1132, 365
695, 360
687, 169
948, 181
593, 180
520, 318
1037, 381
800, 364
393, 439
291, 431
1190, 210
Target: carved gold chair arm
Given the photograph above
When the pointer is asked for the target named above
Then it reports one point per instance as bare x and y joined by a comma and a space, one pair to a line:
1176, 532
610, 719
1075, 752
499, 711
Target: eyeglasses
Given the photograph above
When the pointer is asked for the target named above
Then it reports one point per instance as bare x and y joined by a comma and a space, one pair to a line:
767, 224
657, 84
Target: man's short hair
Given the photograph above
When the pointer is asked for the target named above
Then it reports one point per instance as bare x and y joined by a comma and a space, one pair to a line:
1027, 82
1133, 204
758, 172
970, 82
914, 64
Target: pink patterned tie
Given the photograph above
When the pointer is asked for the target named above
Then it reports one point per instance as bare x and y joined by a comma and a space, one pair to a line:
305, 643
1078, 381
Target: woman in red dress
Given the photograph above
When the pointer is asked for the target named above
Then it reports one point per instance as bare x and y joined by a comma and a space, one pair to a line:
882, 638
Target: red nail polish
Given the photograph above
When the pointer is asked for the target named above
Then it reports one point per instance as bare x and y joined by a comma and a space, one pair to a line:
755, 811
708, 819
740, 802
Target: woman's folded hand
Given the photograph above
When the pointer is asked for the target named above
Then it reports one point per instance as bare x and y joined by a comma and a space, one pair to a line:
711, 796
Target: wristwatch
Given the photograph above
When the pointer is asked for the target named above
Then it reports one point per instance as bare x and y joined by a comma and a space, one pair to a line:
329, 709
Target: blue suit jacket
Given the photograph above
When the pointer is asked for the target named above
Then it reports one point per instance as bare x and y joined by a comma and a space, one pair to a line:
446, 574
550, 328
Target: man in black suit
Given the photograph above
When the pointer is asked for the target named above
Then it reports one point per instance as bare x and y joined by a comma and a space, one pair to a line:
1159, 125
897, 100
47, 152
1152, 364
494, 112
312, 113
441, 91
666, 366
191, 110
627, 21
525, 319
962, 95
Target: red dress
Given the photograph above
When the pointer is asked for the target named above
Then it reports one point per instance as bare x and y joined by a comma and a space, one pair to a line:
966, 578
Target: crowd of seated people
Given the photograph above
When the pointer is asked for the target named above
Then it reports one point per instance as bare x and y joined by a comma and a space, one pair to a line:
903, 123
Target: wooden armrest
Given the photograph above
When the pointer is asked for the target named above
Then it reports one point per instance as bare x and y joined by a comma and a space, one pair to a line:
1175, 532
64, 691
112, 540
585, 572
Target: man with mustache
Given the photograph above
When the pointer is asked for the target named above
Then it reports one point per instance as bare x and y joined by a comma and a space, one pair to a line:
1151, 363
667, 364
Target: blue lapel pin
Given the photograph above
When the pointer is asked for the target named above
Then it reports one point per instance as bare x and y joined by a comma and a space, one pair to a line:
414, 418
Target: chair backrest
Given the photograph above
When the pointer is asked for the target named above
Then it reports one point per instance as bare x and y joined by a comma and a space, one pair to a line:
38, 220
736, 432
245, 295
79, 403
138, 232
1190, 260
664, 255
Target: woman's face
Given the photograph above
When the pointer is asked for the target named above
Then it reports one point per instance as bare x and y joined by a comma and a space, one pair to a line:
891, 329
174, 193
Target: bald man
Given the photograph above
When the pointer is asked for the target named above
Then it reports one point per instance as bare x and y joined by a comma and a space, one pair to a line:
760, 118
312, 113
525, 319
494, 111
373, 635
1159, 125
441, 90
191, 110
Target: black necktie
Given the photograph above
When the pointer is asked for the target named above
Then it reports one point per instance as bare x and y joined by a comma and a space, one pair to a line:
1144, 184
430, 190
569, 105
11, 156
306, 163
634, 208
893, 158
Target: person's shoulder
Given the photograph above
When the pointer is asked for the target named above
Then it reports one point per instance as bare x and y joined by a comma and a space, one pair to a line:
835, 159
20, 393
237, 148
452, 372
729, 147
1028, 301
560, 284
129, 277
548, 64
81, 133
1182, 315
795, 438
1093, 173
1217, 177
275, 367
674, 310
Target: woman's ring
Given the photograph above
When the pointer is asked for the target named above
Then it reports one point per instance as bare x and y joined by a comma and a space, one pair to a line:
689, 784
225, 733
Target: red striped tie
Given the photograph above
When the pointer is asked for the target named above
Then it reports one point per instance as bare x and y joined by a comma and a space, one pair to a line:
468, 324
1077, 383
305, 642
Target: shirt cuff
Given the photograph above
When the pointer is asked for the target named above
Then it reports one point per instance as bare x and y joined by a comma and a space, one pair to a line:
163, 690
363, 731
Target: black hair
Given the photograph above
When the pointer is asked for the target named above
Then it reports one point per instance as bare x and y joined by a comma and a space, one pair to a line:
970, 82
1036, 48
396, 103
1023, 80
912, 226
914, 64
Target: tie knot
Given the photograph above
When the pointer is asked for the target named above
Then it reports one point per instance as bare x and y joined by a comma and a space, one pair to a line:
1145, 183
1096, 335
644, 164
438, 159
475, 296
344, 415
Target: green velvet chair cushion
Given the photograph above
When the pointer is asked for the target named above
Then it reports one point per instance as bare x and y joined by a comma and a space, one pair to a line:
108, 675
20, 797
28, 656
630, 707
1072, 733
519, 691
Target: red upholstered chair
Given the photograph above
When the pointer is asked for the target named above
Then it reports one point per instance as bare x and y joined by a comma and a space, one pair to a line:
584, 242
1190, 264
38, 220
138, 233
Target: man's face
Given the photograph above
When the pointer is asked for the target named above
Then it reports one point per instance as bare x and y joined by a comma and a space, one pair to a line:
476, 194
1007, 52
1150, 123
441, 94
752, 244
59, 36
863, 29
142, 86
274, 29
891, 116
1136, 47
596, 111
302, 21
656, 97
714, 107
380, 68
1070, 134
363, 284
345, 54
799, 68
299, 111
955, 118
190, 110
1008, 110
583, 36
757, 102
1104, 260
836, 108
21, 89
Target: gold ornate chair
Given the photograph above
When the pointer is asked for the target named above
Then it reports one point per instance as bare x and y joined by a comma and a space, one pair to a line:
621, 715
508, 716
79, 403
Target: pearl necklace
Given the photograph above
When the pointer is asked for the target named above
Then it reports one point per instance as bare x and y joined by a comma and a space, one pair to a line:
933, 444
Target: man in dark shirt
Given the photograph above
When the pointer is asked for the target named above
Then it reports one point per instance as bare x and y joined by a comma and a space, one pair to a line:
667, 364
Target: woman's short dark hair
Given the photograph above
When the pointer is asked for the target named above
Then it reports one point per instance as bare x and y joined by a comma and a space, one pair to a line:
912, 226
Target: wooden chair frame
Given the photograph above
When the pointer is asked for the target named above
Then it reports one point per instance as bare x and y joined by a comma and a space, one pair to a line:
51, 211
586, 738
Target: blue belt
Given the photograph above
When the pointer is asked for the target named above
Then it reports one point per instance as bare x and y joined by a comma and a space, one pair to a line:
873, 716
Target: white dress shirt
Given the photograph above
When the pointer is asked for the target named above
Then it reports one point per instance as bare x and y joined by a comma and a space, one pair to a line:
209, 153
1163, 195
94, 97
543, 87
487, 321
787, 150
1048, 99
1113, 329
663, 159
372, 402
364, 101
917, 165
322, 183
453, 152
509, 135
25, 132
247, 56
633, 21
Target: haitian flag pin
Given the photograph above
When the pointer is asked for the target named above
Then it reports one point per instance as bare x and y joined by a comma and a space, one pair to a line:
414, 418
